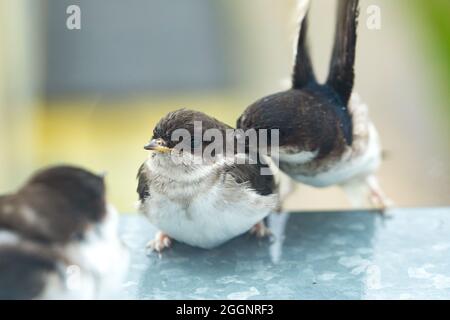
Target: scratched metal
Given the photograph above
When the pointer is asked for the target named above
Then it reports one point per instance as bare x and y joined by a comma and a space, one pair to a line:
339, 255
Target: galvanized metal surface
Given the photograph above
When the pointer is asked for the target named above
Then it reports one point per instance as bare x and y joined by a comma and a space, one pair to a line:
335, 255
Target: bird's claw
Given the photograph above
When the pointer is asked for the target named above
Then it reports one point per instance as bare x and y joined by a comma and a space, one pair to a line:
377, 197
260, 230
159, 243
379, 200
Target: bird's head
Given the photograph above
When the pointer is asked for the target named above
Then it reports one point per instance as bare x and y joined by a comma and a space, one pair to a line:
184, 135
60, 204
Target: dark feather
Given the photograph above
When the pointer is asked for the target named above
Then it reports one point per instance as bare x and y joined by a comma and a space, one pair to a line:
143, 182
23, 272
341, 74
251, 174
66, 200
303, 69
309, 119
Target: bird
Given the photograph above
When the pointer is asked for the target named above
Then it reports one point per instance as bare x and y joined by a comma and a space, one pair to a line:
198, 200
326, 137
58, 238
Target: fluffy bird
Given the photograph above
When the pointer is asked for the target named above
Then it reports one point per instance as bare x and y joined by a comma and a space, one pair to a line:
58, 238
326, 137
197, 200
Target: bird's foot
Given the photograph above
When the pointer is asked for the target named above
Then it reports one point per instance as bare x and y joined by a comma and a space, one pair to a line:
260, 230
381, 201
377, 197
159, 243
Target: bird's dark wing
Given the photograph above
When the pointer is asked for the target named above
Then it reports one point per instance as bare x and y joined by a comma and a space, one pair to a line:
143, 181
23, 274
303, 69
341, 73
251, 174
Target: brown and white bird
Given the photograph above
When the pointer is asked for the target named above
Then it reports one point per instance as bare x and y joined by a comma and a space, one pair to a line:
326, 136
198, 201
58, 238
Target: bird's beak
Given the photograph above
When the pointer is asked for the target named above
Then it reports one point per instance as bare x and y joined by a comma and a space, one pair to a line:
158, 145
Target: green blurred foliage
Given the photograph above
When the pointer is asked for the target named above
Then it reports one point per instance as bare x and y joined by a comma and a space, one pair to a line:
435, 18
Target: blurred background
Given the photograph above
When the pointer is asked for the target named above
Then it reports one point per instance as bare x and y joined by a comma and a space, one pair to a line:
92, 96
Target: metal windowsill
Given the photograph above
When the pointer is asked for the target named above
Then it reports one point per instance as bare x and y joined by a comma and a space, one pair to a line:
315, 255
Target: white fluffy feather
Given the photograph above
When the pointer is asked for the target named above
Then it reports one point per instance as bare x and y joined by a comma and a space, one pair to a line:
101, 255
199, 207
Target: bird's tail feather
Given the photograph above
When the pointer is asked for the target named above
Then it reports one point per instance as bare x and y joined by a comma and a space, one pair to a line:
303, 70
341, 73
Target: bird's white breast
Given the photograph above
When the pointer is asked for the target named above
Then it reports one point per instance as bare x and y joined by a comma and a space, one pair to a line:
206, 214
